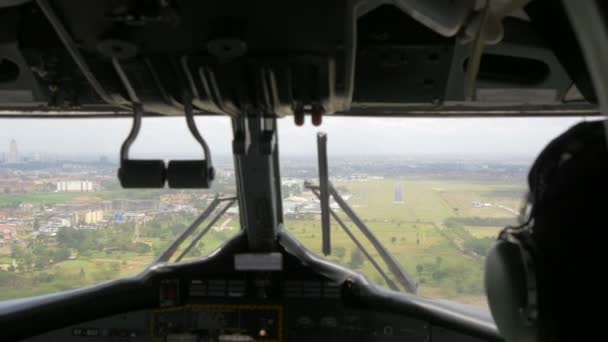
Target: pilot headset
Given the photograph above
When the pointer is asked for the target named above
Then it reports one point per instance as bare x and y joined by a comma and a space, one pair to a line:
512, 264
511, 280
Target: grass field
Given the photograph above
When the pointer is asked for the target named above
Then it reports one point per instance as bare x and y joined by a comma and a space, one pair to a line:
37, 198
415, 233
483, 232
51, 198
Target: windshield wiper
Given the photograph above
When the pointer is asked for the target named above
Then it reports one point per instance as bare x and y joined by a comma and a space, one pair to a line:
402, 276
172, 248
209, 225
324, 191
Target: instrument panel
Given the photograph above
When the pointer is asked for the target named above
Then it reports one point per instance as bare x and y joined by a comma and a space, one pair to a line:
255, 321
218, 322
193, 302
295, 321
225, 310
272, 323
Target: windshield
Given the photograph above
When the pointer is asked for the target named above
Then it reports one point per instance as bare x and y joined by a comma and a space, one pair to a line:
435, 192
65, 222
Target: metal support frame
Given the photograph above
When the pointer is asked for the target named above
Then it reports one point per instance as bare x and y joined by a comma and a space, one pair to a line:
362, 248
206, 229
592, 33
170, 251
402, 276
77, 57
195, 132
324, 192
477, 46
256, 164
166, 255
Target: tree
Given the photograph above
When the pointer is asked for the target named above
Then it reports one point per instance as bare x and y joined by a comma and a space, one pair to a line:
438, 261
41, 260
17, 252
178, 228
356, 258
140, 248
61, 254
26, 261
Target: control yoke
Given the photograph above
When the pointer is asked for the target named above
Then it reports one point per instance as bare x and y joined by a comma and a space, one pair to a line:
138, 173
197, 173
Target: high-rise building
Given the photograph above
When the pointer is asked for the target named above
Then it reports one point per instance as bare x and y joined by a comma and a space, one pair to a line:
13, 152
75, 186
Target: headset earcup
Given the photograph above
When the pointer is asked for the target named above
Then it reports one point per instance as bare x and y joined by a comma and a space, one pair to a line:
505, 281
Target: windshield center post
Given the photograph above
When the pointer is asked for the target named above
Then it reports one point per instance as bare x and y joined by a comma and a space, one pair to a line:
256, 164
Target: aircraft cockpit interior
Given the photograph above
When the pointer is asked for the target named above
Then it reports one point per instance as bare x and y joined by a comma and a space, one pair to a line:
141, 247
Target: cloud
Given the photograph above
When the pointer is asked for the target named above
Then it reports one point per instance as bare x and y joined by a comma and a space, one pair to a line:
169, 137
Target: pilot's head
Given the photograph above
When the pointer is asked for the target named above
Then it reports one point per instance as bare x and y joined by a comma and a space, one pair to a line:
544, 278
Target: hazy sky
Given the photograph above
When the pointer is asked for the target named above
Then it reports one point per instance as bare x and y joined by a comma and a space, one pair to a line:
168, 137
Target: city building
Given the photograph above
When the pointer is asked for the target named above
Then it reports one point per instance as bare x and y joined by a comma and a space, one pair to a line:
134, 205
176, 199
15, 185
26, 206
13, 152
8, 231
87, 217
133, 217
75, 186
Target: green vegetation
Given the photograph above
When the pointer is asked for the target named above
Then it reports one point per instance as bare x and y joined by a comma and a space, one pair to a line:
45, 198
436, 234
517, 192
81, 257
429, 233
481, 221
